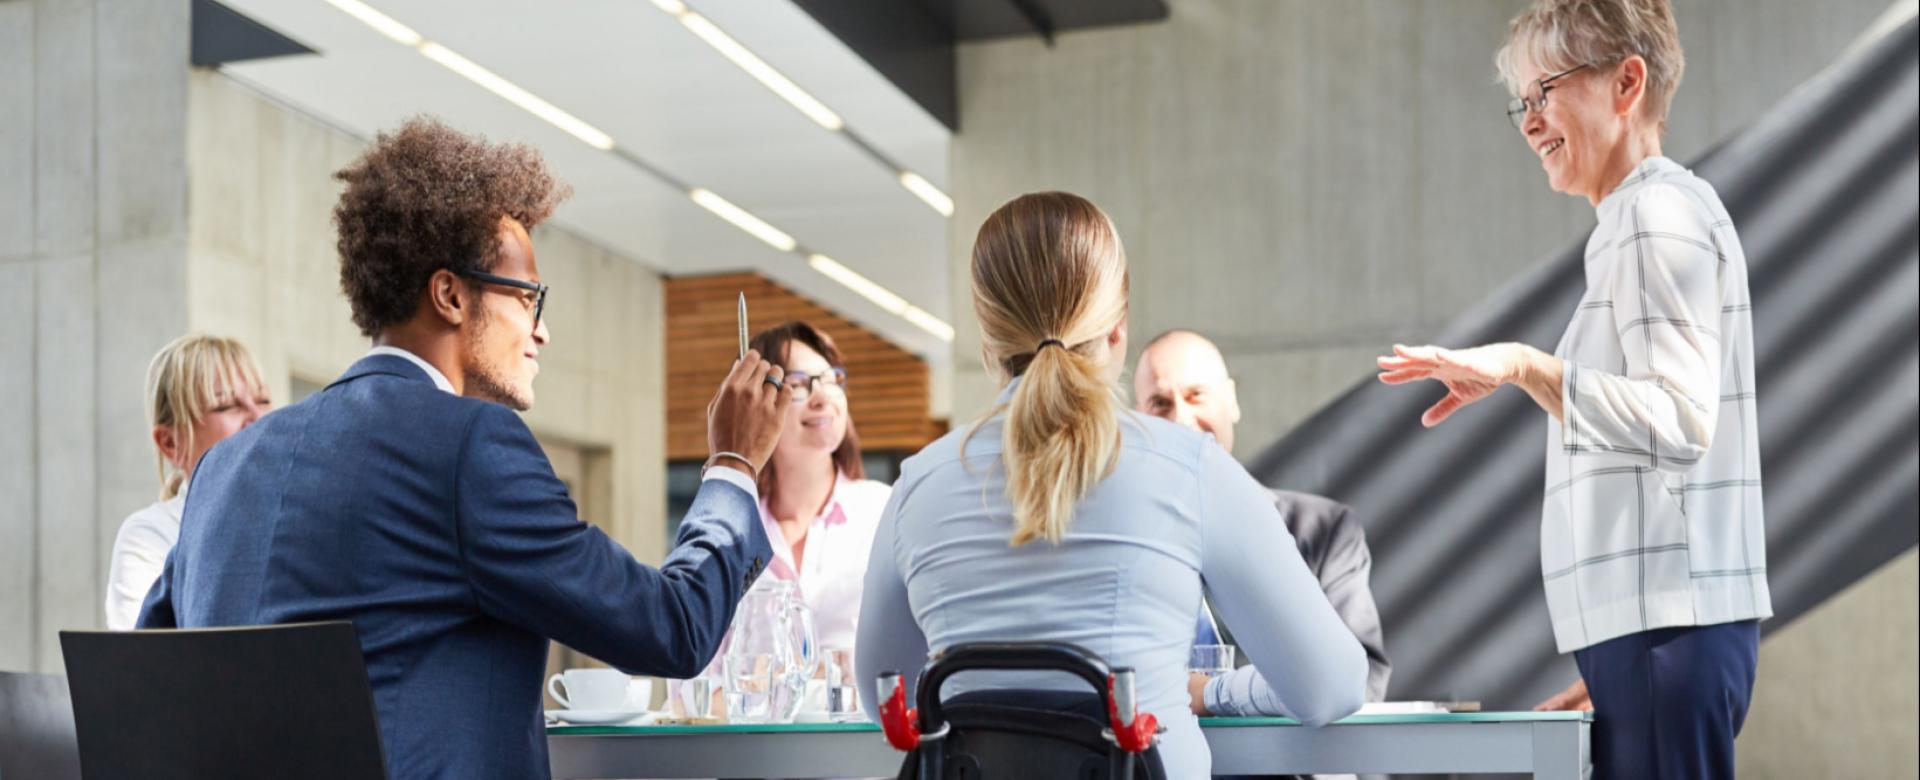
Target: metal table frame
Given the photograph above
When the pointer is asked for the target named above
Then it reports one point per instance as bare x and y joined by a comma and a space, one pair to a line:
1546, 745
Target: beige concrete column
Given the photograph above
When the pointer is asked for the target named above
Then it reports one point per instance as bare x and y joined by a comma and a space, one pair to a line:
93, 248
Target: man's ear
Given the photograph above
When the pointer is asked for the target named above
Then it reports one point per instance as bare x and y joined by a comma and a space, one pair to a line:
450, 297
1233, 395
1629, 85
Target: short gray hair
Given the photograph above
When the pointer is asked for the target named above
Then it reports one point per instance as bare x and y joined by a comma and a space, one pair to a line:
1557, 35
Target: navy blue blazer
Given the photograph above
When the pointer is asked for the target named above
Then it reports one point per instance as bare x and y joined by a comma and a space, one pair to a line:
435, 524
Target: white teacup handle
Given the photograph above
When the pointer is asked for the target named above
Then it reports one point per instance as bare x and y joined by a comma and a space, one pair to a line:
554, 691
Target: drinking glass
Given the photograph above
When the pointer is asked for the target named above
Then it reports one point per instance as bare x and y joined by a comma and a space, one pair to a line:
843, 698
753, 681
1211, 660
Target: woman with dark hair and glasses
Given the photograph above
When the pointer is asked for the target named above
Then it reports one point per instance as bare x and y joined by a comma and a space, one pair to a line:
816, 503
1652, 542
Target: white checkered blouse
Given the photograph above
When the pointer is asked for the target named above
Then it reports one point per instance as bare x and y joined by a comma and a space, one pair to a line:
1653, 515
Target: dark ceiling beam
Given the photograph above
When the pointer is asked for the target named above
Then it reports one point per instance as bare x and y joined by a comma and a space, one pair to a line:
222, 35
909, 46
914, 42
1038, 17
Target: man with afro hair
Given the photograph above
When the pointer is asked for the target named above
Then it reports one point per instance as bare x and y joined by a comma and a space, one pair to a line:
409, 498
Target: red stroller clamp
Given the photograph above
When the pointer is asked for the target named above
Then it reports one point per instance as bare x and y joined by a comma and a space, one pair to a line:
1093, 733
901, 723
1133, 732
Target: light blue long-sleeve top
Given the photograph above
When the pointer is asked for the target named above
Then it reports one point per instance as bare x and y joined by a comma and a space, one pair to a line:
1176, 514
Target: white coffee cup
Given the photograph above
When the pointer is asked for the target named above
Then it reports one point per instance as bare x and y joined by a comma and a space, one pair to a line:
590, 689
640, 694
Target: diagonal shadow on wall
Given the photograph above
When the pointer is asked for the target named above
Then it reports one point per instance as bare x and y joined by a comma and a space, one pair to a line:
1824, 191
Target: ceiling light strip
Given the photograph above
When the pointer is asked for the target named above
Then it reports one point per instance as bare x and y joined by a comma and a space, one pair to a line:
929, 323
740, 218
381, 23
512, 92
773, 79
707, 199
769, 77
852, 280
925, 191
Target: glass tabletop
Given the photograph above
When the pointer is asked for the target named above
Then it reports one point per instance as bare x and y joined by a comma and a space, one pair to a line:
1205, 723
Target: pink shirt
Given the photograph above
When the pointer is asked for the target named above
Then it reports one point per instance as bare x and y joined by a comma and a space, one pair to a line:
833, 568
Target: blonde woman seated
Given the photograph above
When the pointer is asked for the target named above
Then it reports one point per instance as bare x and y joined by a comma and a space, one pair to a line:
199, 391
1063, 516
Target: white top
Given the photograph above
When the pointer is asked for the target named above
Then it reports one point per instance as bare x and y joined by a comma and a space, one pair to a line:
1653, 514
1176, 514
834, 566
139, 553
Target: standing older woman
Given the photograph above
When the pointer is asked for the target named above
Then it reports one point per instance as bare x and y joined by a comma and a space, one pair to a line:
199, 391
1063, 516
1652, 541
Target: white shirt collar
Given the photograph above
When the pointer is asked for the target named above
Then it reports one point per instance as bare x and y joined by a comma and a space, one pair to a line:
1654, 167
439, 379
175, 506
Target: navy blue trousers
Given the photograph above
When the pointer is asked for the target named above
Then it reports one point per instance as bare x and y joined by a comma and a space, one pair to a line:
1667, 703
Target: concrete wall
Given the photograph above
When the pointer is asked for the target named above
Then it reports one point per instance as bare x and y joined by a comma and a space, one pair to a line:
1309, 181
140, 200
262, 268
1837, 693
93, 237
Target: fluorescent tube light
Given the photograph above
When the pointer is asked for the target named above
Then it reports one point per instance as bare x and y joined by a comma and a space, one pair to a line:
929, 323
919, 186
380, 22
743, 220
852, 280
514, 94
758, 68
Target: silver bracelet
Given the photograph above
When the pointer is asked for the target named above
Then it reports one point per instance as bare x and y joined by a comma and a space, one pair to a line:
754, 472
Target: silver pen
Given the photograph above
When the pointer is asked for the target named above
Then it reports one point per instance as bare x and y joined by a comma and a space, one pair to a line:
743, 325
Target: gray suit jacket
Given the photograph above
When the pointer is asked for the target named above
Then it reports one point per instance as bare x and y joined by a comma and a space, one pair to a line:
1334, 545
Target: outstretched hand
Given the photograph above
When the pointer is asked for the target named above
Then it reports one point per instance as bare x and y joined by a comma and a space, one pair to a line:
1469, 374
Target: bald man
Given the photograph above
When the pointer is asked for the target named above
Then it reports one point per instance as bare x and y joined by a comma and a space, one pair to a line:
1183, 378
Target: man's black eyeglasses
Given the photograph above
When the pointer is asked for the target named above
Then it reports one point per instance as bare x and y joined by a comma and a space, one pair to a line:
539, 290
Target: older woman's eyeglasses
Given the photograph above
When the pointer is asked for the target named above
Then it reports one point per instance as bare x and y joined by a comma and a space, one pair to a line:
537, 301
803, 383
1518, 108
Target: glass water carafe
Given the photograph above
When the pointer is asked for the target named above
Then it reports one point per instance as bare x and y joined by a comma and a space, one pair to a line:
770, 654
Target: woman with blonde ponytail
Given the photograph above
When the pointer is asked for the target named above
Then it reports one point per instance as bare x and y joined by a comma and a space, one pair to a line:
199, 391
1063, 516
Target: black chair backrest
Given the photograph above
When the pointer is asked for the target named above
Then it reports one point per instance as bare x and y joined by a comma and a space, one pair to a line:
1010, 733
289, 702
36, 728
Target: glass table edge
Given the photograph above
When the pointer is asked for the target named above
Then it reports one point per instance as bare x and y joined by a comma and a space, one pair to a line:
1241, 722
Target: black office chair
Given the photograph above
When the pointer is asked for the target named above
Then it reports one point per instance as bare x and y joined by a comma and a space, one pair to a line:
36, 728
287, 702
995, 734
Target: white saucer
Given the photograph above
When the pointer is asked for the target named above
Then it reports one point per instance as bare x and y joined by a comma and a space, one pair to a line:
603, 717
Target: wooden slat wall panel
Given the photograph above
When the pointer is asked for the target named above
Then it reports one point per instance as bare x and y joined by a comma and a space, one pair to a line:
890, 390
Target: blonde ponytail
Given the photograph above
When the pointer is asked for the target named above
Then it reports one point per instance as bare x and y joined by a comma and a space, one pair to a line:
1061, 438
1049, 285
